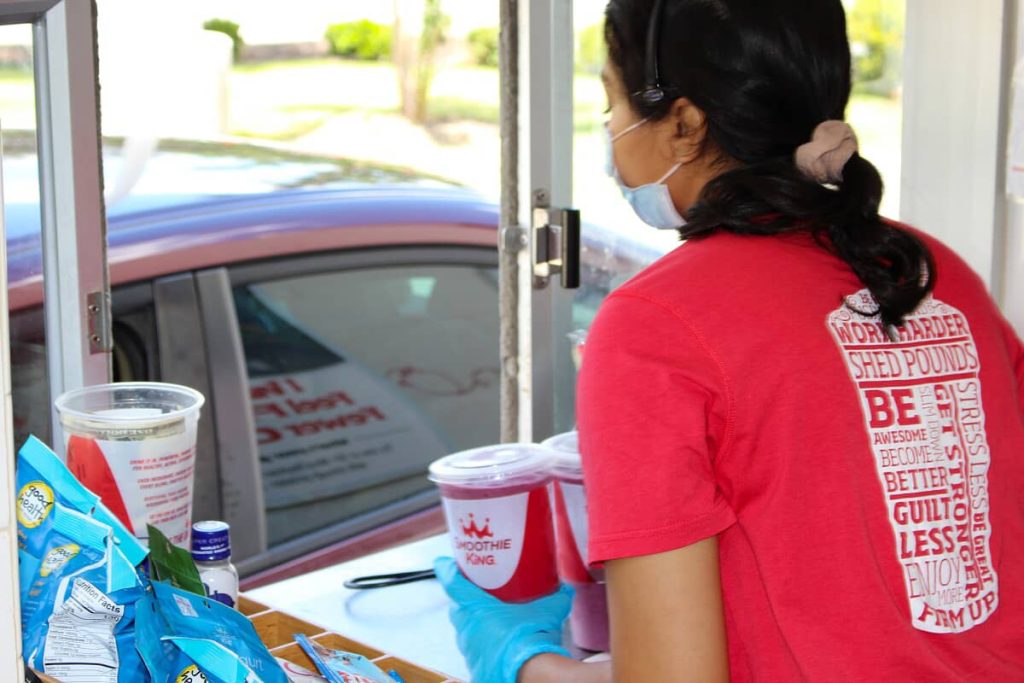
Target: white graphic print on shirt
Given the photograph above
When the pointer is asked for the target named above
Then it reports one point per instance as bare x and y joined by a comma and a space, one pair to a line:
921, 397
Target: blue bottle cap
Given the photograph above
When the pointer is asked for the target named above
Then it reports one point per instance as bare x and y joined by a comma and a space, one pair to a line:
210, 541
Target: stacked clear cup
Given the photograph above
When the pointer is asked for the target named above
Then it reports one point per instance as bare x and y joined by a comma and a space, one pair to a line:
496, 504
134, 445
589, 616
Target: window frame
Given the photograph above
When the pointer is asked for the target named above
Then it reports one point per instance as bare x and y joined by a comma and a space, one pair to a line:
77, 326
74, 229
180, 333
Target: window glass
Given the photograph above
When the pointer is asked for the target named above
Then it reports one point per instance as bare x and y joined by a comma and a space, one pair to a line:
876, 30
360, 378
29, 375
594, 192
615, 243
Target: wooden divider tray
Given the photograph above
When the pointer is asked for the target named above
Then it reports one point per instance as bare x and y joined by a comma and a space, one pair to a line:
276, 628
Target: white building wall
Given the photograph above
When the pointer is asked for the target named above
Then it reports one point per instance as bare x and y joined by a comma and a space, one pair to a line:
952, 158
1013, 265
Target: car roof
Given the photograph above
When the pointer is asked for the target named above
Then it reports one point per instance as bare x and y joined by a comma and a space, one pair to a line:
199, 205
185, 205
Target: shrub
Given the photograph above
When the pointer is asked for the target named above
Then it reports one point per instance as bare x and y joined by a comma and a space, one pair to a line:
590, 49
360, 40
483, 44
228, 28
876, 30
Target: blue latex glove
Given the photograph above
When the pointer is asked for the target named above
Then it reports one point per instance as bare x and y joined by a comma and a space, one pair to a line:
496, 638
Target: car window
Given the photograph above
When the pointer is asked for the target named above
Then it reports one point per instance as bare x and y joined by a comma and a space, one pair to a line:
30, 387
135, 356
360, 378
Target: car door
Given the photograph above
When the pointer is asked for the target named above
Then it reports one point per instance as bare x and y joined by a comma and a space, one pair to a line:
395, 347
158, 337
351, 371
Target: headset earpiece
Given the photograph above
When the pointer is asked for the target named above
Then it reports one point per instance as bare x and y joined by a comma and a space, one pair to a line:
652, 95
653, 92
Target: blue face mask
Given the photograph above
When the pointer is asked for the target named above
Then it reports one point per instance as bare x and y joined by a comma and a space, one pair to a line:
651, 202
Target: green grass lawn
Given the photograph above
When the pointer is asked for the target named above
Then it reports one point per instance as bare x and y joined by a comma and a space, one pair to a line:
284, 100
8, 73
309, 91
875, 118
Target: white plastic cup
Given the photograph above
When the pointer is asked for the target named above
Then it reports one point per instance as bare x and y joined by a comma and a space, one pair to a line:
589, 617
134, 445
499, 518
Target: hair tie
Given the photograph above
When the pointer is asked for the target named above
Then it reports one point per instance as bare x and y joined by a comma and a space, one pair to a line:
825, 156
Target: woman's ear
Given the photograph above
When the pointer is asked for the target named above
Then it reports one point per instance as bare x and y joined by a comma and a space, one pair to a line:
688, 130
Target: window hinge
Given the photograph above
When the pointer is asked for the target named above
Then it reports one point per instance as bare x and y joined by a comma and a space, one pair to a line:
100, 335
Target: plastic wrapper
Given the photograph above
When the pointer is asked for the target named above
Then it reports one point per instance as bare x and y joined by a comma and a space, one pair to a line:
339, 666
44, 483
179, 629
164, 661
299, 674
79, 610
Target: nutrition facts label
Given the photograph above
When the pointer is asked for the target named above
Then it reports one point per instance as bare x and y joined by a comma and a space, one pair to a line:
920, 393
80, 645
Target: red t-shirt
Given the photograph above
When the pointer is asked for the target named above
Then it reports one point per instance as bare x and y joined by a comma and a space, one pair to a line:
868, 495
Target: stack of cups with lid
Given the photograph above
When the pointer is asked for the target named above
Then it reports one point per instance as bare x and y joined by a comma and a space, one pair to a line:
498, 503
589, 617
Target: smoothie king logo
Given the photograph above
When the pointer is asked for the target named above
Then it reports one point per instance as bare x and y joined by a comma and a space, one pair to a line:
487, 536
471, 529
921, 398
475, 543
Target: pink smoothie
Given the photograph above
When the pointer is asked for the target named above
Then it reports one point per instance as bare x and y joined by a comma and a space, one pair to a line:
499, 518
588, 620
570, 530
589, 617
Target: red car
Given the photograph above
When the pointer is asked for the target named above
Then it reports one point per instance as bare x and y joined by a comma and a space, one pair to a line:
340, 318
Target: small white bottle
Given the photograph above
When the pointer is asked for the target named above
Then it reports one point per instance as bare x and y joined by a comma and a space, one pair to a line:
211, 550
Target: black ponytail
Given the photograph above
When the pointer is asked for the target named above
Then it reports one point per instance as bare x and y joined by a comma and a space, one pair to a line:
775, 197
766, 73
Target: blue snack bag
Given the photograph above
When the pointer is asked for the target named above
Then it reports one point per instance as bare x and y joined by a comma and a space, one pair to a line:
28, 566
43, 483
338, 666
38, 475
220, 641
79, 617
165, 662
74, 543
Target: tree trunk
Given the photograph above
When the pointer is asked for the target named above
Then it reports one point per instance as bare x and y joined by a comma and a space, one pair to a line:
409, 16
420, 28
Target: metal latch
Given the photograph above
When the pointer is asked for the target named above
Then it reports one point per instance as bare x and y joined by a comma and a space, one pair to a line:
98, 309
556, 239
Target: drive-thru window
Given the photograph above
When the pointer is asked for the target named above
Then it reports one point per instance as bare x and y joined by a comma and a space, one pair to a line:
471, 314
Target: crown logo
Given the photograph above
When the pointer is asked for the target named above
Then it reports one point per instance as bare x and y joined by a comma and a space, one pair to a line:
473, 530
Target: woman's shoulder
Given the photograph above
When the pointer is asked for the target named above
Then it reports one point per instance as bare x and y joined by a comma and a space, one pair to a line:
712, 267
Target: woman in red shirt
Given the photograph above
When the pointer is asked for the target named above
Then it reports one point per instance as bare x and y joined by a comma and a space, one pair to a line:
803, 430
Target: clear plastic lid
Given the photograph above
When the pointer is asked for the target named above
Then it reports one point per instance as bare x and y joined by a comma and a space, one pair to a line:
129, 403
565, 449
498, 465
